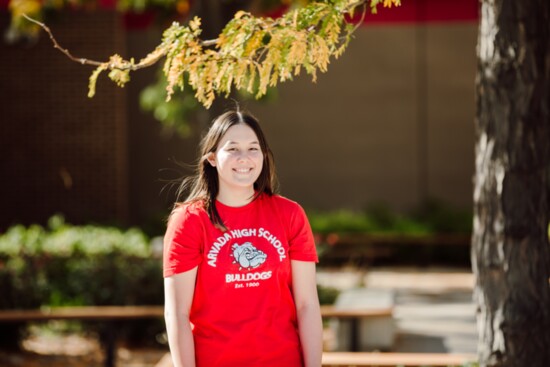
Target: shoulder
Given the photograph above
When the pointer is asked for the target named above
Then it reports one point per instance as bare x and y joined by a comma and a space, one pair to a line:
186, 212
285, 204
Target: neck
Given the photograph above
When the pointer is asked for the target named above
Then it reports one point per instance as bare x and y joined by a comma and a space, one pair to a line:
235, 198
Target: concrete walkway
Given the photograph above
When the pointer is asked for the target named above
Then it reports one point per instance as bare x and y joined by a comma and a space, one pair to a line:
433, 311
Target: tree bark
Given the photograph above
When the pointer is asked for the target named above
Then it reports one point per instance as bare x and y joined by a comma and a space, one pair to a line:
510, 247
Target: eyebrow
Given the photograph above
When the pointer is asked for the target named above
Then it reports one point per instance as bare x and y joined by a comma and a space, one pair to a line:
234, 142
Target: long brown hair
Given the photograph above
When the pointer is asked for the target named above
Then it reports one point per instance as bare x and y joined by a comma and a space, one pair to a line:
204, 184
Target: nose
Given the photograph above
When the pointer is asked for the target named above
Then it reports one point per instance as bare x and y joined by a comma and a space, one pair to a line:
243, 156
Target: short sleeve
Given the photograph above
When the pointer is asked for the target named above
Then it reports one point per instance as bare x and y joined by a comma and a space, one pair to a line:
183, 242
301, 242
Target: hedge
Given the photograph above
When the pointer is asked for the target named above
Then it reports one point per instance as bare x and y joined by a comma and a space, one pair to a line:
64, 265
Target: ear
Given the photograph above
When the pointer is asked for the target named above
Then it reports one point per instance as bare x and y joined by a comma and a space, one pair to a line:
211, 158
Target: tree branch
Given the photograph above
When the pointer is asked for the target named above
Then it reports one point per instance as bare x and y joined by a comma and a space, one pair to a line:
152, 58
146, 62
82, 61
251, 51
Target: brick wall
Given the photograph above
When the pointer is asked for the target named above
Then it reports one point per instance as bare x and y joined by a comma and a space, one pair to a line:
62, 152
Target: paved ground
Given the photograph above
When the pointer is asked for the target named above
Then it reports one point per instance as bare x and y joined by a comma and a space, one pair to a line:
433, 311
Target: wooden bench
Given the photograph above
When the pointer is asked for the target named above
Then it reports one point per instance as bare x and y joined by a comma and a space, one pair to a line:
112, 314
363, 359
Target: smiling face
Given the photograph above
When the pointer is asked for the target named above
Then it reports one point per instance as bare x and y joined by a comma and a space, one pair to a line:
238, 160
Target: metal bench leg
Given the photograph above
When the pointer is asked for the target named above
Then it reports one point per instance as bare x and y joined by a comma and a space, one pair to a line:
354, 330
109, 336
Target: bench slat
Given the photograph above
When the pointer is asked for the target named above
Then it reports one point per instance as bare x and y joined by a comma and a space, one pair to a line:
360, 359
331, 311
366, 359
136, 312
83, 313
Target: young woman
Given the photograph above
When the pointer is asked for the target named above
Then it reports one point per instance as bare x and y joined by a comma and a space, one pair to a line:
239, 261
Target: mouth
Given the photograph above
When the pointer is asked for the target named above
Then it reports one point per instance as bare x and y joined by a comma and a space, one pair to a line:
242, 170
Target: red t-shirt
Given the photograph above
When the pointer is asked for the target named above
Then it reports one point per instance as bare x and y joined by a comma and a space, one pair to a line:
243, 311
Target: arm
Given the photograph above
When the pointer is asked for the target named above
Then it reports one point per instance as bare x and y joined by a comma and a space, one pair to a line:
310, 327
178, 295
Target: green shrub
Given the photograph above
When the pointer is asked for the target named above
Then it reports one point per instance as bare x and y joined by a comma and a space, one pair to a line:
77, 265
65, 265
327, 295
380, 236
443, 218
431, 217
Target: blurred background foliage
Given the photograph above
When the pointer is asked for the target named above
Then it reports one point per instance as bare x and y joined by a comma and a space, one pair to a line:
163, 10
64, 265
177, 113
433, 234
432, 217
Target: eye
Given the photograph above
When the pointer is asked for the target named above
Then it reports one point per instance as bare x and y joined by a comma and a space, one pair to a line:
255, 149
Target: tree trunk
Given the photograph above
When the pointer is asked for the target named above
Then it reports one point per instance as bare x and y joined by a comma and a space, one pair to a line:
510, 247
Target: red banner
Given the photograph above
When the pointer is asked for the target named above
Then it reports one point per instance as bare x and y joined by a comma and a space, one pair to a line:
423, 11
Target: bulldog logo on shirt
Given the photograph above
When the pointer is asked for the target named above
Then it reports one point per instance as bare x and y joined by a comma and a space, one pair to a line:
248, 256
